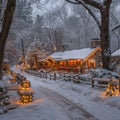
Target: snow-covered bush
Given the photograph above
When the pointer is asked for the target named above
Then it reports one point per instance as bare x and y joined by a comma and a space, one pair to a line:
103, 73
4, 97
3, 110
118, 69
86, 77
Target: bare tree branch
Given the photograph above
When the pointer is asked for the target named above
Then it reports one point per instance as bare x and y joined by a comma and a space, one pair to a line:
104, 9
92, 3
88, 9
92, 14
72, 2
115, 27
88, 2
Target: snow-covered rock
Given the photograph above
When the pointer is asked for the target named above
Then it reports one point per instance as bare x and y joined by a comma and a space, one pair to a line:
3, 110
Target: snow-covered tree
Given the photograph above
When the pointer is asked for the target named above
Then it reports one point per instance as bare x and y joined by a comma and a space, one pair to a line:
103, 24
5, 27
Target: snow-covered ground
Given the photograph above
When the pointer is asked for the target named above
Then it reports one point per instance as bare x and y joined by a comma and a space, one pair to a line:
44, 107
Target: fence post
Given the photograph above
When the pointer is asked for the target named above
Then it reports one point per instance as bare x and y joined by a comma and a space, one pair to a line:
79, 79
54, 75
93, 82
46, 76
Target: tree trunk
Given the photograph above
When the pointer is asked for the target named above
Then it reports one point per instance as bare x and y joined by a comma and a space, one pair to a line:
7, 21
105, 39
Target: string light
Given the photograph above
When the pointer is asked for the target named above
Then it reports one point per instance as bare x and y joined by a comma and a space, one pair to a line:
112, 89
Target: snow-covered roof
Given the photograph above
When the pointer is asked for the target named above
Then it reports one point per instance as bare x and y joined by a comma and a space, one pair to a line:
116, 53
73, 54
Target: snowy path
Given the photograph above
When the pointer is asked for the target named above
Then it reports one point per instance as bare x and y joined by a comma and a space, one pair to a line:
60, 100
100, 111
47, 105
73, 111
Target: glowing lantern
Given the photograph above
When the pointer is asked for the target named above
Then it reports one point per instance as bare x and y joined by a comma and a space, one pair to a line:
25, 92
9, 72
14, 75
112, 89
26, 96
26, 84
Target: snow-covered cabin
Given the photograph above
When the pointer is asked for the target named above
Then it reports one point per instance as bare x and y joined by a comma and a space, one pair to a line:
77, 60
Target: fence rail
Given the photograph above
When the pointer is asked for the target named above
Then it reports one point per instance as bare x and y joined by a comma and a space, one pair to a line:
75, 78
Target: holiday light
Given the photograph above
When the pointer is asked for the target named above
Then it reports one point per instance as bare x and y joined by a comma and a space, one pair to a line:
26, 92
112, 89
26, 84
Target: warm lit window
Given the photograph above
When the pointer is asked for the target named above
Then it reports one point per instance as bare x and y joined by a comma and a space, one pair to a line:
93, 65
63, 63
78, 62
72, 63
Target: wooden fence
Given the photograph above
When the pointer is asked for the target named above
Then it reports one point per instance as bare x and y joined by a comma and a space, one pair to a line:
75, 78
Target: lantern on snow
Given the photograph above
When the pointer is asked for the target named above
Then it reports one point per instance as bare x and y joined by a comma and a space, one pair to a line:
26, 84
26, 92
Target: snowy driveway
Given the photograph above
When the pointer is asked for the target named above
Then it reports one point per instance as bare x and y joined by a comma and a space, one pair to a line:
60, 100
73, 111
47, 105
66, 108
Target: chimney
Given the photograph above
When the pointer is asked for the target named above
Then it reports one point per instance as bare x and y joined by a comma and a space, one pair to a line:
95, 42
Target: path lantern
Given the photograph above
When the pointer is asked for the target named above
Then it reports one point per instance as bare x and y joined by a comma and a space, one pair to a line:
26, 92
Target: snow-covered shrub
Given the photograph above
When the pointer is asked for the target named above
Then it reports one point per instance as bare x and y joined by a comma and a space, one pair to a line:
86, 77
103, 73
118, 69
4, 97
3, 110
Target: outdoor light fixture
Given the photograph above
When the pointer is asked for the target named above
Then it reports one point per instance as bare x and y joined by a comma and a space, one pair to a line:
26, 92
112, 89
26, 84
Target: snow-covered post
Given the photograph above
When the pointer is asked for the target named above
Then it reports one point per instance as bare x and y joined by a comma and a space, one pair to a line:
41, 74
54, 75
45, 75
93, 82
50, 77
64, 76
